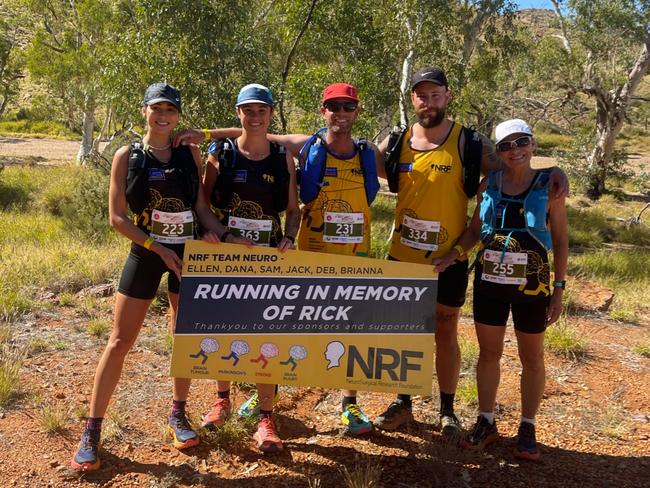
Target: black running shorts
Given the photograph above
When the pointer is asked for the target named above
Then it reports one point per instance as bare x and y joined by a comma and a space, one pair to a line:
143, 270
452, 284
528, 317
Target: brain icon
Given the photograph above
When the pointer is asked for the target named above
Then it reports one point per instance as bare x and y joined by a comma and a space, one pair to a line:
209, 345
269, 350
239, 347
298, 352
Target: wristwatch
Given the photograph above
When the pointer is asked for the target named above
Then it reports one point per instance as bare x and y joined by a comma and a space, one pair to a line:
559, 284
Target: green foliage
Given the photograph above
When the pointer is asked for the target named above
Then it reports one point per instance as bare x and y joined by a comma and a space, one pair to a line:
234, 432
469, 352
642, 349
561, 339
99, 327
382, 215
52, 418
36, 129
10, 364
85, 208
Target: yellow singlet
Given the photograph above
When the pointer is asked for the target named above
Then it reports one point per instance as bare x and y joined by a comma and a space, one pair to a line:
431, 209
338, 220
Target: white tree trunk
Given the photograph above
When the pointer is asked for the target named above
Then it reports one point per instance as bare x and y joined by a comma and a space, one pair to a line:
87, 128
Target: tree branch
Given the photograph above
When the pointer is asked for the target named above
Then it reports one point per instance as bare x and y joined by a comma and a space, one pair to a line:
565, 36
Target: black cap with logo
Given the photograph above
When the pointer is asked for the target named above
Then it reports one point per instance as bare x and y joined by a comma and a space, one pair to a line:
162, 92
432, 74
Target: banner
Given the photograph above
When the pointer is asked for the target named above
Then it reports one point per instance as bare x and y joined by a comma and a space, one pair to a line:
301, 318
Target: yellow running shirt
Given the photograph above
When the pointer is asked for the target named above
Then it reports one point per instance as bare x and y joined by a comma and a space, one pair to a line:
431, 209
338, 220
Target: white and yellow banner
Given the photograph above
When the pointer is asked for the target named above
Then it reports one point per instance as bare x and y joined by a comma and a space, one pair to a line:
307, 319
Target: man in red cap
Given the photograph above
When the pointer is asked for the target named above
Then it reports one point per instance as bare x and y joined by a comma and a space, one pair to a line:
346, 185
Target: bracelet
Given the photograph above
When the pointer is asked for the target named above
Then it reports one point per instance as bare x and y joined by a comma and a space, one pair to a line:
224, 236
206, 134
560, 284
148, 243
290, 238
460, 249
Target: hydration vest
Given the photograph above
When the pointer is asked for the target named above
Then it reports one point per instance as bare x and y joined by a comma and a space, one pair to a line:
534, 203
471, 159
137, 176
226, 153
312, 159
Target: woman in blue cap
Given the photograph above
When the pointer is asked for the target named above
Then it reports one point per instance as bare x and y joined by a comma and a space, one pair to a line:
161, 186
518, 225
250, 182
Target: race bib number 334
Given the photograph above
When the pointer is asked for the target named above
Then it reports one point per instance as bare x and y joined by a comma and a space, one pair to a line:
420, 234
511, 270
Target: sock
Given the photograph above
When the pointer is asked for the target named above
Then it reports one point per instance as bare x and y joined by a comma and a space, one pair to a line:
526, 419
178, 405
223, 394
348, 400
488, 415
405, 399
94, 423
265, 414
447, 403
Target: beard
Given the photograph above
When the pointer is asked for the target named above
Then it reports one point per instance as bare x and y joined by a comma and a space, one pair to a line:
429, 121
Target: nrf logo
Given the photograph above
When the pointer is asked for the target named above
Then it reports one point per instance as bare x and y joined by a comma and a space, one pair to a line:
441, 168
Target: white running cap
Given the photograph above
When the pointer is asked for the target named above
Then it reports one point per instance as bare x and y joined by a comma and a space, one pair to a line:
512, 126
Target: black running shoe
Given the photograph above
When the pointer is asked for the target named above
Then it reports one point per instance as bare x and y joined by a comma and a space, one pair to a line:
482, 435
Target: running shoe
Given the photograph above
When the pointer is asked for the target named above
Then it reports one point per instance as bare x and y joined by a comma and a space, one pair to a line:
87, 456
355, 421
251, 407
482, 435
526, 447
397, 414
217, 414
450, 425
266, 437
181, 430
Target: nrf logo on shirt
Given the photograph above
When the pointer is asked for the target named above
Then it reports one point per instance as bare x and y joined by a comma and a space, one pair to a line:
441, 168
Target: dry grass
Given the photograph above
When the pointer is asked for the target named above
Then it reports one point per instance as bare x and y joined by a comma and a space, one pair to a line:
365, 474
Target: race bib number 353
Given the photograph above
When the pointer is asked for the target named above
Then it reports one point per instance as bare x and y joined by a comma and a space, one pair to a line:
420, 234
511, 270
172, 227
258, 231
343, 227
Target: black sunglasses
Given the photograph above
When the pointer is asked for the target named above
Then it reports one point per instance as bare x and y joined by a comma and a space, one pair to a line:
519, 142
336, 106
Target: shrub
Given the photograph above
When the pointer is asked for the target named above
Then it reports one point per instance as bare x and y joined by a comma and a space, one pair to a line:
87, 208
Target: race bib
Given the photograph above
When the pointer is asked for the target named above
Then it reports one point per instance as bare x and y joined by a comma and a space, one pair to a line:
420, 234
258, 231
172, 227
509, 271
343, 227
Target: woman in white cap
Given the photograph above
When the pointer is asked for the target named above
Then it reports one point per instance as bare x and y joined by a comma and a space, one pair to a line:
161, 186
517, 225
250, 182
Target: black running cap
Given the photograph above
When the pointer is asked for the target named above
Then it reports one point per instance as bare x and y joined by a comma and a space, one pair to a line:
162, 92
429, 73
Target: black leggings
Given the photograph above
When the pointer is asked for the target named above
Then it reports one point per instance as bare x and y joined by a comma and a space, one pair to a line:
144, 269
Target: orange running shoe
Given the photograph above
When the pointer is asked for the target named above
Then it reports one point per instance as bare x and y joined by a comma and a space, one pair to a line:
266, 438
217, 414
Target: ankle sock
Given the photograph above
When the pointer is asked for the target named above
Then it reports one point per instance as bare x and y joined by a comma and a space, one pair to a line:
94, 423
178, 405
223, 394
447, 403
348, 400
405, 399
265, 414
526, 419
488, 415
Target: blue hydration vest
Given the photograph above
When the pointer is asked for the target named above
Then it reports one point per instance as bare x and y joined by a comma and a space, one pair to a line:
312, 159
535, 205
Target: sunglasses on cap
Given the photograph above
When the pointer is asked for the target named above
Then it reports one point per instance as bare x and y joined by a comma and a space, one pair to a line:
336, 106
519, 142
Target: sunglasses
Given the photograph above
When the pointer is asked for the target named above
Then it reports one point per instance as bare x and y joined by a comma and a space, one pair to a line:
336, 106
519, 142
